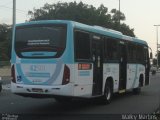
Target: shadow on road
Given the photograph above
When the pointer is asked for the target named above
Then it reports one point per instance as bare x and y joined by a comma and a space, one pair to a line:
76, 106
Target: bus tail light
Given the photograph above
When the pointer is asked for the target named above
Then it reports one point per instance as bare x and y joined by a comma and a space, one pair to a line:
13, 74
66, 75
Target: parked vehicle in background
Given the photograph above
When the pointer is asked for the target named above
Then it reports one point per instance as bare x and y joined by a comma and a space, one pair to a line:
153, 69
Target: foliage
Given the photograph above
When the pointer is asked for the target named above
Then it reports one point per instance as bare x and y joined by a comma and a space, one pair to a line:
83, 13
5, 42
116, 15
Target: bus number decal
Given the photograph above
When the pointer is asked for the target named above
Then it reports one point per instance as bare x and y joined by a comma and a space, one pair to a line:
37, 68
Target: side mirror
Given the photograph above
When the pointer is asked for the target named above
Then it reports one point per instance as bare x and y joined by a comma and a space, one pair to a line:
151, 56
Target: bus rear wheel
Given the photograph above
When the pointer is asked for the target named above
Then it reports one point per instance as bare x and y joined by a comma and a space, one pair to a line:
108, 92
137, 91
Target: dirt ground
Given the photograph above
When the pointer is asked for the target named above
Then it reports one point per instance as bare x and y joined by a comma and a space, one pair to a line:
5, 71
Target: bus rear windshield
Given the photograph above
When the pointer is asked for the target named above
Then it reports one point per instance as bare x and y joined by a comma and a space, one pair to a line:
40, 41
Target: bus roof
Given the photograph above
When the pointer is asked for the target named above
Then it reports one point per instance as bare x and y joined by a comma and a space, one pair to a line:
108, 32
95, 29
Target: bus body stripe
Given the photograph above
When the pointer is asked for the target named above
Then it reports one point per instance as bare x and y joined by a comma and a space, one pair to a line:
57, 72
55, 75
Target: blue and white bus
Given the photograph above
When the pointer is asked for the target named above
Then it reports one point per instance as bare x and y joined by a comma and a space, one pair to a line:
66, 59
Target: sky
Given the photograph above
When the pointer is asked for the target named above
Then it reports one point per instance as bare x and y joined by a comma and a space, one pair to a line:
141, 15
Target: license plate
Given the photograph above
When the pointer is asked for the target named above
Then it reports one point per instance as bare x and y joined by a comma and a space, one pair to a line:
37, 90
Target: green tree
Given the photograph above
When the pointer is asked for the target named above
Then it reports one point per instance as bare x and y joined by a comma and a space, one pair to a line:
83, 13
5, 42
117, 15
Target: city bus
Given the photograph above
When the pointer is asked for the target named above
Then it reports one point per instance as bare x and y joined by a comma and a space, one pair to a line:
66, 59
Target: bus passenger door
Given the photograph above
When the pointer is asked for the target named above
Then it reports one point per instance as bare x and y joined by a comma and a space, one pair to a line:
122, 67
97, 56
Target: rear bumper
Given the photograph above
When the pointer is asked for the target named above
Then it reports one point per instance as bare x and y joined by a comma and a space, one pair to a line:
39, 91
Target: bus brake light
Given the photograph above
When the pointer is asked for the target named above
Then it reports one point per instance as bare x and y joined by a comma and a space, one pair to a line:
13, 74
66, 75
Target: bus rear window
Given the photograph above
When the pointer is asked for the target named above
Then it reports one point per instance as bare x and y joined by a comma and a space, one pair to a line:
40, 41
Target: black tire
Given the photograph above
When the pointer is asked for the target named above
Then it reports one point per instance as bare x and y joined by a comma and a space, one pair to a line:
137, 91
0, 87
108, 93
63, 99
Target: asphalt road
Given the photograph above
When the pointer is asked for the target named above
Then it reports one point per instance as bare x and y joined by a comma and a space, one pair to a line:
145, 103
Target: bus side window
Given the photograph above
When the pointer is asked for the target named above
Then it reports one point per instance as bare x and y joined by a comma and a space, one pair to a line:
111, 49
82, 45
140, 54
145, 54
132, 52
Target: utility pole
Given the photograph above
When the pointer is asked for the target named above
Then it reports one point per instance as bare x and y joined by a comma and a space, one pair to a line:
14, 13
119, 12
157, 41
14, 19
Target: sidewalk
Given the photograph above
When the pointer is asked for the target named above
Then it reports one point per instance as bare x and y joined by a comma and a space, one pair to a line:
5, 71
5, 74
